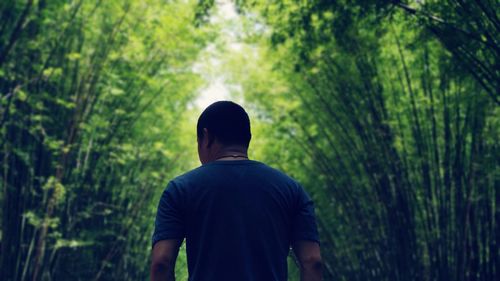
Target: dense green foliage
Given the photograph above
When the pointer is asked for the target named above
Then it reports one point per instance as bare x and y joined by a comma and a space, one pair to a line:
386, 111
92, 95
388, 129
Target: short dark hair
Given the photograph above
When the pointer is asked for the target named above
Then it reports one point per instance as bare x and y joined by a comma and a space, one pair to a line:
228, 121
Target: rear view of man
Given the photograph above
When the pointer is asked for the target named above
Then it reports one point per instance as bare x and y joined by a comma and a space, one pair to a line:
239, 217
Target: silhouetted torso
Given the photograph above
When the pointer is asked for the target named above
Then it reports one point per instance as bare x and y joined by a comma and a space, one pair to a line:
238, 218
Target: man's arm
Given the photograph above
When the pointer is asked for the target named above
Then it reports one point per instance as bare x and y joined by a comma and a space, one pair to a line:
309, 258
163, 259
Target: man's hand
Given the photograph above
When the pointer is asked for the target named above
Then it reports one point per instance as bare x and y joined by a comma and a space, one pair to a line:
163, 258
309, 257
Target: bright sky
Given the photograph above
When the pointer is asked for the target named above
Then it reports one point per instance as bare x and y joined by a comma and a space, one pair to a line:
216, 88
215, 91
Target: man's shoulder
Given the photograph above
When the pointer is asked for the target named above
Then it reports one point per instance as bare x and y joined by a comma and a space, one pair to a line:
279, 173
206, 171
187, 176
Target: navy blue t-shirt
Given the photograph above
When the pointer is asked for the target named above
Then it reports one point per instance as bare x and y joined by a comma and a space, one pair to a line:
239, 219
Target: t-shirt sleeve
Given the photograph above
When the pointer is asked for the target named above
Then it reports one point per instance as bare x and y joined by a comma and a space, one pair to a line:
304, 223
169, 222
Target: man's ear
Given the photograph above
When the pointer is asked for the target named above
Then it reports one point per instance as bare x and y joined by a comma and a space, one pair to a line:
210, 138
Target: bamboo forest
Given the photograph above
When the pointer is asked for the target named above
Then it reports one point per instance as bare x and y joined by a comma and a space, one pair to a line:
386, 111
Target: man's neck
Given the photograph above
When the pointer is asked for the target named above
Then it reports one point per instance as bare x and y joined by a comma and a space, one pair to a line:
231, 153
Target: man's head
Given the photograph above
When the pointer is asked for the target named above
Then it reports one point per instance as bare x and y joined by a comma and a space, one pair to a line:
223, 127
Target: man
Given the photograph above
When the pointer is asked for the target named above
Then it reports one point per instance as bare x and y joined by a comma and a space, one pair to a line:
239, 216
